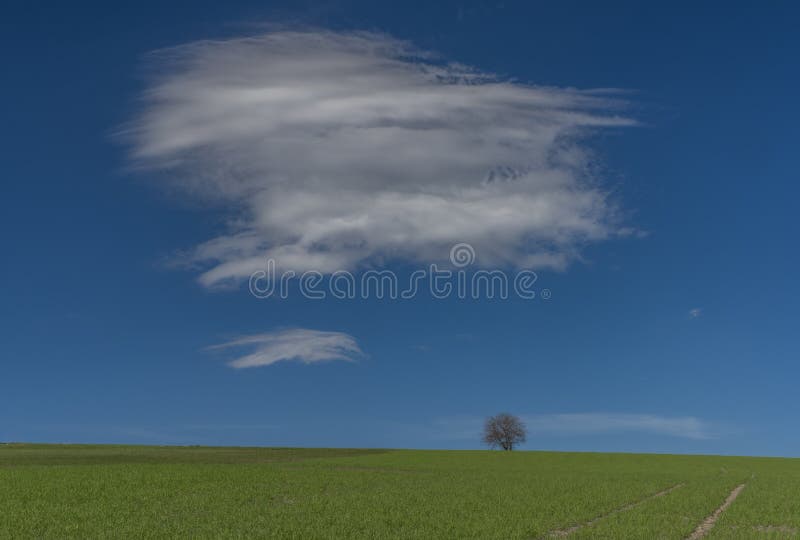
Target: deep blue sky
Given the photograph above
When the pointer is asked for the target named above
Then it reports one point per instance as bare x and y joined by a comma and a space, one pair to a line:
101, 342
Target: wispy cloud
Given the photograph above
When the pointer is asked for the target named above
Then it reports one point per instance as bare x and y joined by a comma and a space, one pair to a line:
695, 313
339, 150
295, 344
590, 423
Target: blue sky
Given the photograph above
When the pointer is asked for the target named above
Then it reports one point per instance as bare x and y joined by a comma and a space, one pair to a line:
667, 232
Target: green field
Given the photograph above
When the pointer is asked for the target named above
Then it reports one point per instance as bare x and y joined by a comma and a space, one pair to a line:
71, 491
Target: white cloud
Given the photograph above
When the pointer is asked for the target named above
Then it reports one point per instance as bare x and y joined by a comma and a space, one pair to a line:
345, 150
695, 313
296, 345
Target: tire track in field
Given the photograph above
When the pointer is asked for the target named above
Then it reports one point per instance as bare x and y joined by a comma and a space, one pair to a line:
711, 520
559, 533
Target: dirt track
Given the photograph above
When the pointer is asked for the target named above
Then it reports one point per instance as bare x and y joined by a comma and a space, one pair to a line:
711, 520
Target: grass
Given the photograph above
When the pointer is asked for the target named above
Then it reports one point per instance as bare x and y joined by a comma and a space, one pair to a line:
74, 491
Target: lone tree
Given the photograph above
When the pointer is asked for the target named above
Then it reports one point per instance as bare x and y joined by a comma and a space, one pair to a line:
503, 430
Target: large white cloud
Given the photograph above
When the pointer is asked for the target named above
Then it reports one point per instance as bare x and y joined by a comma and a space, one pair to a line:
343, 150
292, 345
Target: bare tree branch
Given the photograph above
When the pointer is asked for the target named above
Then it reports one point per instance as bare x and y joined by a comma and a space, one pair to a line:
503, 430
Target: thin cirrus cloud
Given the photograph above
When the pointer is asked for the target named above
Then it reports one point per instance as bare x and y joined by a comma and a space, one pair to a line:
336, 150
586, 424
590, 423
291, 345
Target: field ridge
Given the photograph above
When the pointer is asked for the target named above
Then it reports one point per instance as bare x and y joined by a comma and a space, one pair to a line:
630, 506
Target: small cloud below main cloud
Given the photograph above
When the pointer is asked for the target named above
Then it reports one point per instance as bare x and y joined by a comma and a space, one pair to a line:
300, 345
